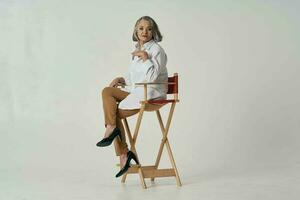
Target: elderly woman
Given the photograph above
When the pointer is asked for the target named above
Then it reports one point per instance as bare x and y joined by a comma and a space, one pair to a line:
148, 65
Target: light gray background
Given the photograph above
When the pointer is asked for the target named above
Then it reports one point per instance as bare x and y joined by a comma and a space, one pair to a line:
235, 132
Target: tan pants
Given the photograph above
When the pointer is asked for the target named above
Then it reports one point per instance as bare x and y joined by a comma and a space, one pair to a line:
111, 96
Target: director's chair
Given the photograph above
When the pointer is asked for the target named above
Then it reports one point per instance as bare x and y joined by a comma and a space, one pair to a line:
154, 105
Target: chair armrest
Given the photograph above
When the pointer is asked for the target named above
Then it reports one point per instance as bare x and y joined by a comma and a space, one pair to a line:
151, 83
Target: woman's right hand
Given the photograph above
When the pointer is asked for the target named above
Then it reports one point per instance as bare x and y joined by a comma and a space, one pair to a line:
119, 81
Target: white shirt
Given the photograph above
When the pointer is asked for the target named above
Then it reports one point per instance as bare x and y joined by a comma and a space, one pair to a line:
151, 70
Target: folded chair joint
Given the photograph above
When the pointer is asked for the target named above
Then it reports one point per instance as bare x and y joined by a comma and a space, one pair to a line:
164, 139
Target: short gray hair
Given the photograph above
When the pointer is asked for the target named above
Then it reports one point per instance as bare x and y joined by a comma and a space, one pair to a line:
156, 35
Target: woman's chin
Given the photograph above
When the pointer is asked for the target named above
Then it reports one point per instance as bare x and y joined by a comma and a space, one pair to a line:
143, 40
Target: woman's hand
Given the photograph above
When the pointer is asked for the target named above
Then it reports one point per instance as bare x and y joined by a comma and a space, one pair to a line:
119, 81
141, 54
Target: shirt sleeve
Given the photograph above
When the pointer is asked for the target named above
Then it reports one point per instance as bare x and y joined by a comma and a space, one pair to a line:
127, 79
154, 65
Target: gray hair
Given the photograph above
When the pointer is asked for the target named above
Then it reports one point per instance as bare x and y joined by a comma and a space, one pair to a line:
156, 35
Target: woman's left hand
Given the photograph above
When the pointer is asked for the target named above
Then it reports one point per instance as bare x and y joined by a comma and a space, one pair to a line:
141, 54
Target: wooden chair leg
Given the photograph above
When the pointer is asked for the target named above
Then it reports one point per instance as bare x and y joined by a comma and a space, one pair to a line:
132, 140
153, 171
138, 124
127, 130
142, 178
173, 163
162, 143
165, 141
168, 144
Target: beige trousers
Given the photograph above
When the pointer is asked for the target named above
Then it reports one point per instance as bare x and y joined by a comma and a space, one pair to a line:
111, 96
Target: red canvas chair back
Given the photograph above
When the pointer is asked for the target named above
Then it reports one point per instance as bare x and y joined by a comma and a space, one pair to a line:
172, 89
173, 84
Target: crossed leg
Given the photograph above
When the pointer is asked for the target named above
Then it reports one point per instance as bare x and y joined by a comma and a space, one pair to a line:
111, 96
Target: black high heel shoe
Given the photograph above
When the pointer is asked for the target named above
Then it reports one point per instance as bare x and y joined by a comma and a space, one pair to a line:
130, 155
108, 140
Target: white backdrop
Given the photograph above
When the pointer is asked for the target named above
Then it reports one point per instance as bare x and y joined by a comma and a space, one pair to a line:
238, 63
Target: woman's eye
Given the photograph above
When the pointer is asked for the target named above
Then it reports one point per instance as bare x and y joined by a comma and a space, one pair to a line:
141, 29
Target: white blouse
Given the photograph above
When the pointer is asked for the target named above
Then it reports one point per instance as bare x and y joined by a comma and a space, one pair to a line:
151, 70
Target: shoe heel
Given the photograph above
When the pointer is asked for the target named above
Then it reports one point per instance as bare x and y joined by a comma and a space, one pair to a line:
118, 133
135, 158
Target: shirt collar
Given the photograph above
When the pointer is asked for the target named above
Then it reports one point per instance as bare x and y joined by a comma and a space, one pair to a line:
147, 45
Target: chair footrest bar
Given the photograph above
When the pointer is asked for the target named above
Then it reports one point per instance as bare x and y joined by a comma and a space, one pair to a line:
135, 168
159, 173
152, 172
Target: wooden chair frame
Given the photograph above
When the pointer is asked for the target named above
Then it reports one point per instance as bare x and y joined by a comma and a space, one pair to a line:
152, 171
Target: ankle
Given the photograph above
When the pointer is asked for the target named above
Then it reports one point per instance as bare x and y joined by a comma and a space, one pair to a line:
110, 126
123, 155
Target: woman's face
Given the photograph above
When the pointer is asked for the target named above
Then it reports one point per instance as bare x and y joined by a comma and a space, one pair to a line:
144, 31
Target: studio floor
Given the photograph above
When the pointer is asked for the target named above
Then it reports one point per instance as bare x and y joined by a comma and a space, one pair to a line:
59, 184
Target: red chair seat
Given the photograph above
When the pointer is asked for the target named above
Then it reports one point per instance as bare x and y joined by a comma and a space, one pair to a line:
161, 101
